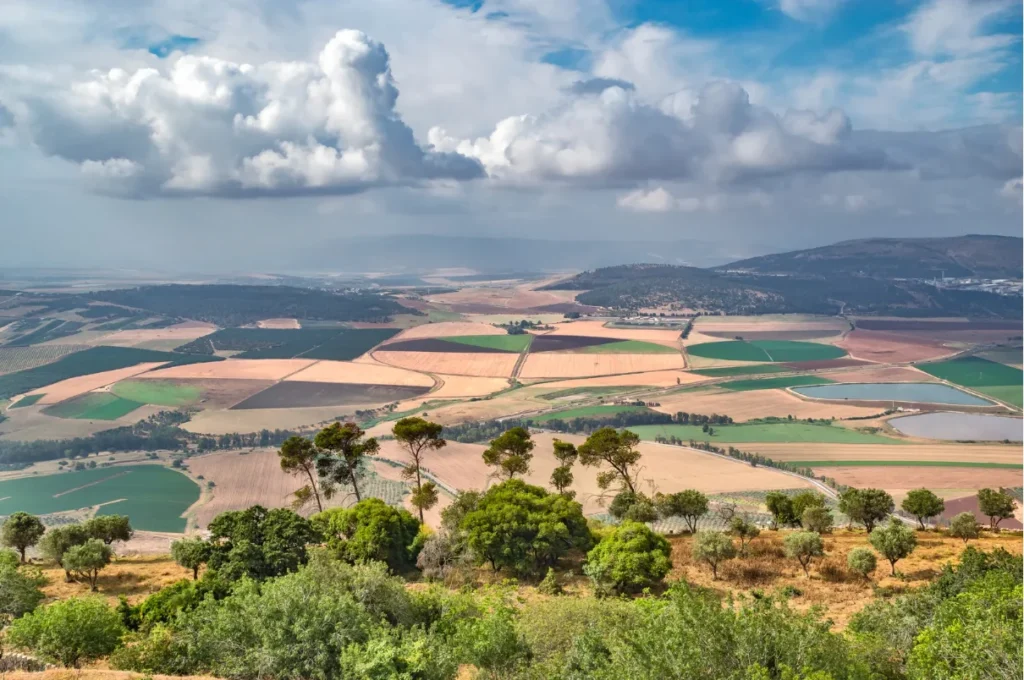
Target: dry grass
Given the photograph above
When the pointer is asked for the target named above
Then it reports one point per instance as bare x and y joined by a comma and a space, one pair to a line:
247, 369
757, 404
72, 387
131, 577
467, 386
447, 329
522, 297
255, 419
559, 365
840, 594
484, 364
95, 674
899, 480
360, 374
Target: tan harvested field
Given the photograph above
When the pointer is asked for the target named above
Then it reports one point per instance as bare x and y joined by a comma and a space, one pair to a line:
597, 329
179, 333
486, 409
241, 480
360, 373
256, 419
900, 480
559, 365
511, 298
981, 453
72, 387
886, 347
279, 323
757, 404
467, 386
881, 374
670, 468
487, 365
238, 369
650, 379
31, 424
445, 329
739, 324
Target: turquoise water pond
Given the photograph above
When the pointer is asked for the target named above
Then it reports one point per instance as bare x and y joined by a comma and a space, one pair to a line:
921, 393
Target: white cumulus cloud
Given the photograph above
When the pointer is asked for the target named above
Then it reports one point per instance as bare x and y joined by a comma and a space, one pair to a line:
210, 126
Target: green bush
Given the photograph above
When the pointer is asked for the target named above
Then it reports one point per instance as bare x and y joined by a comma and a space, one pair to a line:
69, 632
629, 559
371, 530
713, 547
862, 561
894, 541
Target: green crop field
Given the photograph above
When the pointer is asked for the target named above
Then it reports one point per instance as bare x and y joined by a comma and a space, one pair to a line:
589, 412
628, 347
764, 432
988, 377
27, 400
339, 344
588, 392
775, 383
774, 351
93, 406
157, 392
13, 359
740, 370
506, 343
153, 496
94, 360
350, 343
901, 463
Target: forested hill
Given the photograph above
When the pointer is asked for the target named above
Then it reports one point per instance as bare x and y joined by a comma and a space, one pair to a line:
646, 286
898, 258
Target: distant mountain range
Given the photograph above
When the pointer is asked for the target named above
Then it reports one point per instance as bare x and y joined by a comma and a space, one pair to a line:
982, 256
870, 276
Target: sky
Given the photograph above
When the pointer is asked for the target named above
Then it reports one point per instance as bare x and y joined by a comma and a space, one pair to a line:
238, 135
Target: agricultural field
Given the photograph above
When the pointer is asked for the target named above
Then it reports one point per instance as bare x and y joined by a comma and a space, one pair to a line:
72, 387
14, 359
752, 405
447, 329
481, 364
86, 362
153, 496
772, 351
27, 400
299, 394
629, 347
891, 348
579, 365
988, 377
576, 393
311, 343
483, 344
157, 392
93, 406
600, 329
764, 432
906, 451
504, 343
590, 412
749, 369
944, 481
774, 383
1011, 356
232, 369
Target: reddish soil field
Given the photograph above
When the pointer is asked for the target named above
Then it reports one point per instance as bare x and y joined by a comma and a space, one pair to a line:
557, 343
970, 504
891, 347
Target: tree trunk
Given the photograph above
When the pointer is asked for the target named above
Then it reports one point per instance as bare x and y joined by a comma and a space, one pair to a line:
316, 492
22, 549
355, 486
195, 573
892, 565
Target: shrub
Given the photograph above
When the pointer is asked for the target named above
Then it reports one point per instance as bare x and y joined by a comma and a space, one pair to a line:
442, 558
713, 547
817, 518
69, 632
743, 529
629, 559
371, 530
894, 541
862, 561
259, 543
964, 526
803, 546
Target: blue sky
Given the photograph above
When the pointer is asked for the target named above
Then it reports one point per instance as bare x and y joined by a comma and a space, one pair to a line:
741, 123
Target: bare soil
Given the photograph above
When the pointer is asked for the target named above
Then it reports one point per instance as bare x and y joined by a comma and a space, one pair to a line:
452, 363
583, 365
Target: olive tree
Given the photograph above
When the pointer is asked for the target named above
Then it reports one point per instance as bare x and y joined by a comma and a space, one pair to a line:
713, 547
690, 504
191, 553
996, 505
862, 561
964, 526
803, 546
893, 541
817, 518
88, 560
21, 531
781, 508
866, 506
922, 504
745, 530
109, 528
58, 540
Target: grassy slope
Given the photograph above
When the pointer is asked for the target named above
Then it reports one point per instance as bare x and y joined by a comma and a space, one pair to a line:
506, 343
628, 347
764, 432
156, 392
775, 383
590, 412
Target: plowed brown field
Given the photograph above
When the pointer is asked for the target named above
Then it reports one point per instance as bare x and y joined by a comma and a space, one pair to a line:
182, 333
249, 369
890, 347
981, 453
492, 365
278, 323
467, 386
881, 374
360, 374
757, 404
899, 480
582, 365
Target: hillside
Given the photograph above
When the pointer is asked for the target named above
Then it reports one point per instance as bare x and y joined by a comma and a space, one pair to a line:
898, 258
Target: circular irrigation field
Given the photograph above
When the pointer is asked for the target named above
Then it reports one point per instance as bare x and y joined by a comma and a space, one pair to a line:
773, 351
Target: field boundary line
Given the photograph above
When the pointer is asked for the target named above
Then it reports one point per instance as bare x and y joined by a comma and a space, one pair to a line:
98, 481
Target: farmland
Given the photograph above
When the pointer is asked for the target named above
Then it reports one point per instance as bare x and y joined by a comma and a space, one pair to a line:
753, 369
590, 412
27, 400
629, 347
505, 343
988, 377
14, 359
153, 496
586, 392
299, 394
750, 405
93, 406
763, 432
93, 360
578, 365
775, 351
774, 383
276, 343
157, 392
